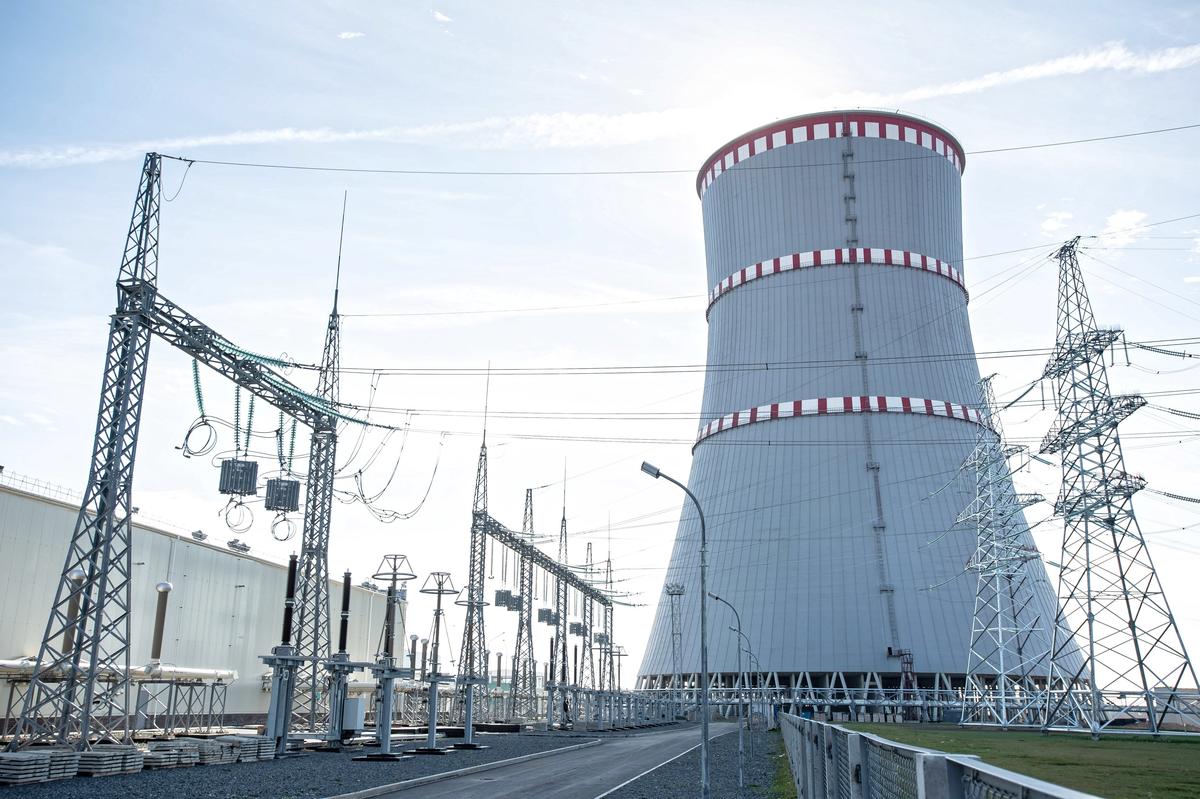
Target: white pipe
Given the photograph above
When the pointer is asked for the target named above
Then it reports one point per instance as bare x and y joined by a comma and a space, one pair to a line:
24, 667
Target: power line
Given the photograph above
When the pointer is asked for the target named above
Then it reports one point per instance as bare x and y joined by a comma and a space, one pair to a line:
615, 172
687, 368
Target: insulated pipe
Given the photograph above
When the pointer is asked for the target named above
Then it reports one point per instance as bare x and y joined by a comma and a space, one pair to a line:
389, 623
26, 666
289, 602
412, 654
77, 577
160, 620
424, 656
344, 627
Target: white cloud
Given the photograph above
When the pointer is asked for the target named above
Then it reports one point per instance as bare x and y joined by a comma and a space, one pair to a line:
1055, 222
636, 92
1119, 228
534, 131
440, 17
10, 420
1111, 57
562, 130
1192, 279
351, 35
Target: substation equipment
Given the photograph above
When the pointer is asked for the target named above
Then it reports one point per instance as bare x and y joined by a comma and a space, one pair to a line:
834, 258
78, 692
572, 696
388, 667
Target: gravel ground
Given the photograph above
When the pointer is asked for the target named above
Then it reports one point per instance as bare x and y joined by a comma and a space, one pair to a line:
680, 779
308, 776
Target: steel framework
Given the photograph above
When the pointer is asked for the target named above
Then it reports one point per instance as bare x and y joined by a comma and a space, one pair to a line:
473, 661
587, 666
473, 666
674, 591
72, 698
524, 682
1134, 665
1001, 688
88, 629
560, 679
608, 674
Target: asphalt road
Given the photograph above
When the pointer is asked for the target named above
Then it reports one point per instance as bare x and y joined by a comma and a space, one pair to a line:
581, 774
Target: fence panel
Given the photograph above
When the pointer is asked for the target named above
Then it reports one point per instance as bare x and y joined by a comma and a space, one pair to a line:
830, 762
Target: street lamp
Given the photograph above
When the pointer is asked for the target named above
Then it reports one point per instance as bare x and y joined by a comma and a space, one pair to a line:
704, 784
754, 664
741, 749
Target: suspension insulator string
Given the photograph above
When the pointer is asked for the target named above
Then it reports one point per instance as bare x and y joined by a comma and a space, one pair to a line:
237, 422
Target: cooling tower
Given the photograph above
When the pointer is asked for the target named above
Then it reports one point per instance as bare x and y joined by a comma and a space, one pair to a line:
839, 405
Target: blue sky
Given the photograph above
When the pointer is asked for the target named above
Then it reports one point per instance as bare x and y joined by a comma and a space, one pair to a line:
86, 88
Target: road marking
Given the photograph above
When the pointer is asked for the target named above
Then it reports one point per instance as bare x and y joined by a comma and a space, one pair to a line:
653, 768
417, 782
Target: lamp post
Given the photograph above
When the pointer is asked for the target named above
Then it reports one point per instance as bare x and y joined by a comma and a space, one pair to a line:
704, 784
741, 749
754, 664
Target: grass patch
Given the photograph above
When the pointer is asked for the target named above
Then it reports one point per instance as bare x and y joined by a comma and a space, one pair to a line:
1115, 766
782, 785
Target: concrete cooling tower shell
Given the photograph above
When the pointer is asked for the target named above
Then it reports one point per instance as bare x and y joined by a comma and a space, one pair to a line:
839, 405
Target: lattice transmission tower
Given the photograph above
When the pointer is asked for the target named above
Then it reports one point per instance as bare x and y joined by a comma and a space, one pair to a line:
311, 707
561, 611
608, 673
587, 667
1004, 661
79, 691
525, 699
473, 666
1133, 662
674, 591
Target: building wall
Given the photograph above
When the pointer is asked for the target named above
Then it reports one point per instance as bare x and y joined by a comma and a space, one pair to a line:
225, 610
791, 504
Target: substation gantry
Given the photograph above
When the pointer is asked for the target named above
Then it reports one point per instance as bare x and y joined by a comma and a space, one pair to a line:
78, 692
473, 665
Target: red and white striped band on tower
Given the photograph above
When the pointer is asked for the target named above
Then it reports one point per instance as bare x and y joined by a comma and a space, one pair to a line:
865, 124
827, 406
845, 255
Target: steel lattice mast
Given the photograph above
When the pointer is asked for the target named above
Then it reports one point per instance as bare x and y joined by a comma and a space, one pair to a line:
1133, 662
674, 591
587, 670
473, 661
561, 611
525, 704
608, 674
312, 588
1000, 686
79, 690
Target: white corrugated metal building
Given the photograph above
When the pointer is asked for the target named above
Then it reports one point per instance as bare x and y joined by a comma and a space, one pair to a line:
225, 608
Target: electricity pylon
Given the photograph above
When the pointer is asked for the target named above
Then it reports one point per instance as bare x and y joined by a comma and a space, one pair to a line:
1006, 633
525, 703
311, 704
561, 611
473, 664
674, 591
1133, 661
608, 674
587, 672
79, 691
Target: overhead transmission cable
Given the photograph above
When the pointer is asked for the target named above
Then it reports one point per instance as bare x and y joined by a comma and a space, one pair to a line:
614, 172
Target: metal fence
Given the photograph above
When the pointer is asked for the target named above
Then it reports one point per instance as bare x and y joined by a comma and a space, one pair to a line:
831, 762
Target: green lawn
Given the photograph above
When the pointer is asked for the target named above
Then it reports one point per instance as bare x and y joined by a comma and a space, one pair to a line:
1116, 766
